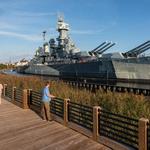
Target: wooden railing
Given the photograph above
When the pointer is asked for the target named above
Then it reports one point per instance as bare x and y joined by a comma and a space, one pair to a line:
148, 136
57, 107
114, 130
18, 95
81, 115
8, 91
119, 128
34, 100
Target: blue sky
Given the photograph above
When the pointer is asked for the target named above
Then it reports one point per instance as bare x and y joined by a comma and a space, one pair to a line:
126, 22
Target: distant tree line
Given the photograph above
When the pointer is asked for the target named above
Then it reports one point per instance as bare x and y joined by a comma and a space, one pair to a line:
3, 66
6, 66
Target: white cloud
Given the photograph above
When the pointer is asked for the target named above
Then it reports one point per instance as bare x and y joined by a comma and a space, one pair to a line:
96, 31
34, 14
87, 32
5, 25
22, 36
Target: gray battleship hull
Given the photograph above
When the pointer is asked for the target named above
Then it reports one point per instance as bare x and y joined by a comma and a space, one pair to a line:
137, 70
132, 71
41, 70
21, 69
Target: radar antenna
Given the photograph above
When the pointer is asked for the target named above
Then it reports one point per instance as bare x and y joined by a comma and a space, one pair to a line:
60, 17
44, 34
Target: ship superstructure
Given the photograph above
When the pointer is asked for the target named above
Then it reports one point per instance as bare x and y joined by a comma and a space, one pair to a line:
60, 48
61, 57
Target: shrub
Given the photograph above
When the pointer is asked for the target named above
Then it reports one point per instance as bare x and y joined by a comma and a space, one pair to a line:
121, 103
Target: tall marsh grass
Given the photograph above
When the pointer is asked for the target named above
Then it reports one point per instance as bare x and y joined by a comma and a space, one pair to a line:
135, 106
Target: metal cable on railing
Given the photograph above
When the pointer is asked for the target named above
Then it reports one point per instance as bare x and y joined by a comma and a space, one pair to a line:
18, 95
8, 91
81, 115
57, 107
35, 100
119, 128
148, 136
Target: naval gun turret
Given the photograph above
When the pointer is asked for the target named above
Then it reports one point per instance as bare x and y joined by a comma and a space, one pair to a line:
137, 50
95, 49
101, 48
105, 47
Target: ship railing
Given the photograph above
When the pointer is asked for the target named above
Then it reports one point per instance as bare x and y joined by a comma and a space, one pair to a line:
114, 130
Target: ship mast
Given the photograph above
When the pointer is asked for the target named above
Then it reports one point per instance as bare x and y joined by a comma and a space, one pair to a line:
44, 35
63, 29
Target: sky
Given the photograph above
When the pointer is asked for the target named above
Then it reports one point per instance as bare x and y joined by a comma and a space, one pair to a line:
126, 22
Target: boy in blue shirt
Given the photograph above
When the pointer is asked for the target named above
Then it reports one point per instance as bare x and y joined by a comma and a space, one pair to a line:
46, 98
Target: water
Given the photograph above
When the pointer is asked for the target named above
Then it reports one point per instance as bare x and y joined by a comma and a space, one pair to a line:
10, 72
121, 84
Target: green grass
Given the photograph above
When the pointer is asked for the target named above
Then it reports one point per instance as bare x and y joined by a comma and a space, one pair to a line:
135, 106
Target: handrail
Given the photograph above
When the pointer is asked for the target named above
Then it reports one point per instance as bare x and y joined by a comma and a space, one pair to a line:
119, 128
148, 136
100, 122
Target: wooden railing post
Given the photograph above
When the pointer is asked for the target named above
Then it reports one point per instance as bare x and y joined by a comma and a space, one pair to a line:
66, 102
13, 94
4, 90
25, 99
95, 122
29, 97
142, 133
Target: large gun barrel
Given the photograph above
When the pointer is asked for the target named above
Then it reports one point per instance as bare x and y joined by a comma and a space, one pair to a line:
143, 46
143, 49
137, 50
138, 47
98, 47
107, 48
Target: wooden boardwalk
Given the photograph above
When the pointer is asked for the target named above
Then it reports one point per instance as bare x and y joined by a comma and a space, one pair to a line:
24, 130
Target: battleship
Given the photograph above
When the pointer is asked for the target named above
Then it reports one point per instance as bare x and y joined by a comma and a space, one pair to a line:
60, 57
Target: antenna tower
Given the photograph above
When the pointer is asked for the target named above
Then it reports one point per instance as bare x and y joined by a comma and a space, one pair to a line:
44, 34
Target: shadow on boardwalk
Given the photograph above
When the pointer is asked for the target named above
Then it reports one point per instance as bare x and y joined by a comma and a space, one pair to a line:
23, 129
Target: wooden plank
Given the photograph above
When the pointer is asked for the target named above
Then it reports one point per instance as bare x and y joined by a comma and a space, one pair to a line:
25, 130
